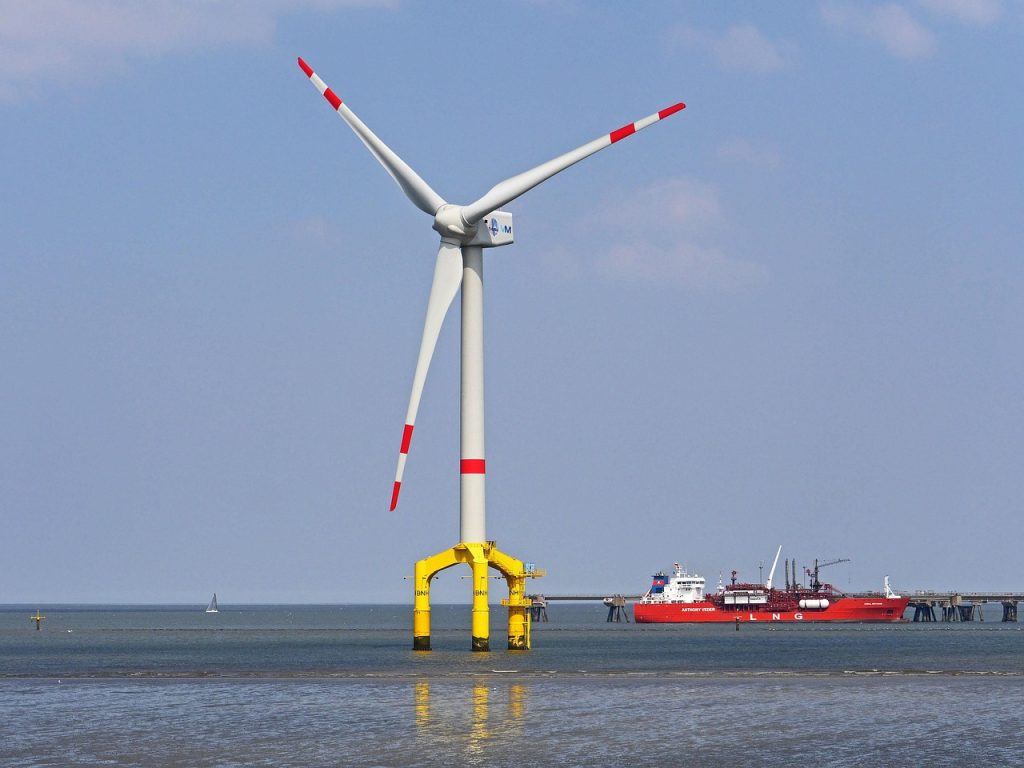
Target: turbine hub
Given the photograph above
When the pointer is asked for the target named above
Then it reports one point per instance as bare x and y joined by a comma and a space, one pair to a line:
448, 222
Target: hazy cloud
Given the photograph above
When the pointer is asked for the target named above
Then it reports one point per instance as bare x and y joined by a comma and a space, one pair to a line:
979, 12
316, 231
746, 153
892, 25
678, 202
741, 48
43, 42
685, 264
665, 233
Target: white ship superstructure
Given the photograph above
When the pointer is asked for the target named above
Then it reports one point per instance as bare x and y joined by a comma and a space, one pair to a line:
680, 587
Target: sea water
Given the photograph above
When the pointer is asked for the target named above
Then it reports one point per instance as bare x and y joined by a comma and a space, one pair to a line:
340, 686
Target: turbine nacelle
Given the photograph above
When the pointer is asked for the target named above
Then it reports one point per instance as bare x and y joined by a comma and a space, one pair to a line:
493, 230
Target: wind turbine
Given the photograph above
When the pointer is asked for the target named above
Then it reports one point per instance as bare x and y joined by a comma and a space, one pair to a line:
465, 231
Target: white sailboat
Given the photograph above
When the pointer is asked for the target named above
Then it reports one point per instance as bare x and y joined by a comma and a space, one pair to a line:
212, 607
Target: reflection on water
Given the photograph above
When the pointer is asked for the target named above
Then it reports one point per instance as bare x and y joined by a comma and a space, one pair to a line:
422, 703
517, 703
474, 715
478, 733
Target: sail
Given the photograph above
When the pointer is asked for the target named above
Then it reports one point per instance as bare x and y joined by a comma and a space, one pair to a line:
212, 607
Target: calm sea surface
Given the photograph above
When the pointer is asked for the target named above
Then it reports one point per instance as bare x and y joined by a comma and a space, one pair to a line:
339, 685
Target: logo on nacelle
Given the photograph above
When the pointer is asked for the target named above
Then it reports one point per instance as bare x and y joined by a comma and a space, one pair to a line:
494, 230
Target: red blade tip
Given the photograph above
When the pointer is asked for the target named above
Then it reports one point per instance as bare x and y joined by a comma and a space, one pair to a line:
305, 67
671, 110
394, 496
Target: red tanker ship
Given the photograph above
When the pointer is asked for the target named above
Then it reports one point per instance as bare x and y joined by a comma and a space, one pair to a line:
680, 598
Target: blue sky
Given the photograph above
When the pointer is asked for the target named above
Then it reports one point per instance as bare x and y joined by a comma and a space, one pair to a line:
791, 314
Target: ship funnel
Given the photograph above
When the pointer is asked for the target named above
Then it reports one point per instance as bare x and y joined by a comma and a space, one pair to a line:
771, 573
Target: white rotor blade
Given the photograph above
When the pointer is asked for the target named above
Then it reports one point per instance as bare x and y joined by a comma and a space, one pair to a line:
447, 279
508, 190
415, 188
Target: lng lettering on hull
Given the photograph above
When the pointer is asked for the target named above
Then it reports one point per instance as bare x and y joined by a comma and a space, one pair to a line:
680, 598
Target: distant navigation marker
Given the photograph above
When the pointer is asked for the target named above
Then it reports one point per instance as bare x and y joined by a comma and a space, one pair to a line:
38, 619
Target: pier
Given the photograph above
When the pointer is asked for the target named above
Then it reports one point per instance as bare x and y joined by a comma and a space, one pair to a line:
961, 606
618, 607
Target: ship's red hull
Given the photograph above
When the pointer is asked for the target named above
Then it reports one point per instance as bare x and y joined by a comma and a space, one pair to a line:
840, 609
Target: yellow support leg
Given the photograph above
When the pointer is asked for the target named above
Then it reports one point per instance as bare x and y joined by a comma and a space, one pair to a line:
421, 608
518, 606
481, 609
426, 569
518, 614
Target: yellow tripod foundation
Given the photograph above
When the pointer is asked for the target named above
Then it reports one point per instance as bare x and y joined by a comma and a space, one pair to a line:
479, 557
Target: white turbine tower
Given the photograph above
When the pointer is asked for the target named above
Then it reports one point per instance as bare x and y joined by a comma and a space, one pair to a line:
465, 231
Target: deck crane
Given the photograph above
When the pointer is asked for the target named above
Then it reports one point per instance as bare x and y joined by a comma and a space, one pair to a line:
815, 583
